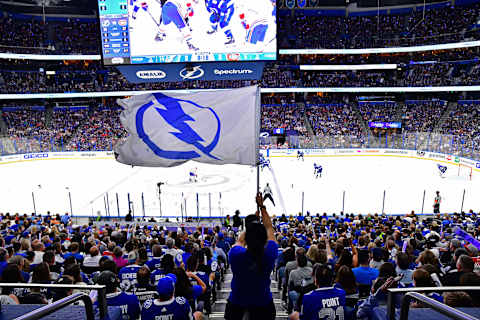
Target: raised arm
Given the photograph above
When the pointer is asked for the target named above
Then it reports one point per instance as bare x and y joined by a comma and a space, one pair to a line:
199, 281
267, 222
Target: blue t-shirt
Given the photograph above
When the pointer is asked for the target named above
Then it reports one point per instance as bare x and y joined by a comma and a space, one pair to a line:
249, 287
77, 256
175, 308
3, 265
323, 304
365, 275
127, 302
185, 257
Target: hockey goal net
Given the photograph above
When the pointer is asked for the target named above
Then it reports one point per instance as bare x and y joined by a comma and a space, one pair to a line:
465, 171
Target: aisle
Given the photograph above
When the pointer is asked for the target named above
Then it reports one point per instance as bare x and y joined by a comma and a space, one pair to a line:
222, 296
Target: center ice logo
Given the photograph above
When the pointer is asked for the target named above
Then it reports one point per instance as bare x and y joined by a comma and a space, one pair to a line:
173, 111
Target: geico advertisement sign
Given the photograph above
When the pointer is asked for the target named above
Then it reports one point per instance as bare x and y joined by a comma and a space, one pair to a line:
35, 156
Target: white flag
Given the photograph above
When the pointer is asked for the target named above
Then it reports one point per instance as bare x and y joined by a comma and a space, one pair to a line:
166, 130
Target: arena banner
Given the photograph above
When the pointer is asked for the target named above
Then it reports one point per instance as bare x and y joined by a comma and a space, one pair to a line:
197, 71
401, 153
268, 153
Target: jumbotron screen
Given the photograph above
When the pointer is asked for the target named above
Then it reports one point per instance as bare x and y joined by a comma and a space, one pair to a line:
176, 31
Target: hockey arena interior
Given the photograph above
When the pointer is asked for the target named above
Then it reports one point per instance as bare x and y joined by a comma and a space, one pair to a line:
239, 159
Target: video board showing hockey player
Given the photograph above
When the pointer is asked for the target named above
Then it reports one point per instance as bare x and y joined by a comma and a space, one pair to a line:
169, 31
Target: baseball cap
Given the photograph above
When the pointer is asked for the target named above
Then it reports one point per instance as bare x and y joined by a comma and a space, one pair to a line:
108, 279
166, 285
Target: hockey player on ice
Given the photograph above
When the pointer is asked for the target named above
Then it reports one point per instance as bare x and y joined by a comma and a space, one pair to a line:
193, 177
300, 155
221, 12
264, 163
317, 170
177, 12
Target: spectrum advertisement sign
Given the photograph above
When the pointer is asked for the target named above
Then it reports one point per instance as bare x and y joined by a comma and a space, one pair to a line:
196, 71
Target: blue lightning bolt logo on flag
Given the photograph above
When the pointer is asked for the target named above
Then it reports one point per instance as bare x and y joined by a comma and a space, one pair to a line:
171, 110
217, 127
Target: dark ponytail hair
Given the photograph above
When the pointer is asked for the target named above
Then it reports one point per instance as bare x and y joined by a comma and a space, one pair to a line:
256, 238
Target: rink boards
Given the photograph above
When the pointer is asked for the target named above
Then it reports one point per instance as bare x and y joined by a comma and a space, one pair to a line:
354, 180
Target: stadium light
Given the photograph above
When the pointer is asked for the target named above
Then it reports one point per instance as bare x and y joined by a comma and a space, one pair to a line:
324, 67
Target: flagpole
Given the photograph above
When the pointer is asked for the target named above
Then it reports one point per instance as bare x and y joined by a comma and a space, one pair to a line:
257, 138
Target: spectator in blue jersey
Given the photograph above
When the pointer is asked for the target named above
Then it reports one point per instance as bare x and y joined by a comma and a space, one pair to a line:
156, 261
3, 260
188, 252
167, 306
185, 288
167, 266
20, 262
252, 260
74, 252
65, 219
364, 275
325, 301
222, 244
128, 303
128, 274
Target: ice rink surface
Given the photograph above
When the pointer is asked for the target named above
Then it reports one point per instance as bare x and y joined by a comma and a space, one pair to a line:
223, 189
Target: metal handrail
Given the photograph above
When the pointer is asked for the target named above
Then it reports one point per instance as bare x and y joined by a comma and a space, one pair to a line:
102, 295
434, 304
60, 304
392, 292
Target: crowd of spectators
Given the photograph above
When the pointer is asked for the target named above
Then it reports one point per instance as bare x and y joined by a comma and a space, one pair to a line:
422, 115
334, 119
95, 78
440, 25
461, 125
302, 122
71, 36
64, 128
153, 270
445, 25
378, 110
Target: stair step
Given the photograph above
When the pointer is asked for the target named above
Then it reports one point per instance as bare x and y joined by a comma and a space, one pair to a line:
282, 315
225, 293
219, 305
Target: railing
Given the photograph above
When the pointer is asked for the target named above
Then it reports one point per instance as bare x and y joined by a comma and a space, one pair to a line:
392, 293
421, 141
435, 305
102, 297
60, 304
